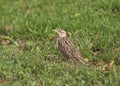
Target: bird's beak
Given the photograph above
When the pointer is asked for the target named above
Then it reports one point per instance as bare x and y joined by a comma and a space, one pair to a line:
56, 32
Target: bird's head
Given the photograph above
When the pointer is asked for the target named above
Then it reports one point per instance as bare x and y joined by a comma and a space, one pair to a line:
60, 33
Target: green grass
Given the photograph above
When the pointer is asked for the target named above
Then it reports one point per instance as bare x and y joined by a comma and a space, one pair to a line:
30, 23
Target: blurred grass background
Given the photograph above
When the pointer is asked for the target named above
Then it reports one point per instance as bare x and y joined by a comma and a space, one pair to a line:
93, 26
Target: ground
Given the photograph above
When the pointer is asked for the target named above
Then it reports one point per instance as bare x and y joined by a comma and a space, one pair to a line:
27, 51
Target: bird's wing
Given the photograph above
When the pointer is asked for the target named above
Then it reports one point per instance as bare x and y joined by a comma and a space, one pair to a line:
67, 48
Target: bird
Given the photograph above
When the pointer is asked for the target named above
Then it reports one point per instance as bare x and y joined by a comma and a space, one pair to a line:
66, 48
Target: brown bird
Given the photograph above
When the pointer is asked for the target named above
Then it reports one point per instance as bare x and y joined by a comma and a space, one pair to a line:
66, 48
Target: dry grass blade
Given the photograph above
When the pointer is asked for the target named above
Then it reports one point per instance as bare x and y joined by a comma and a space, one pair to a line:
10, 39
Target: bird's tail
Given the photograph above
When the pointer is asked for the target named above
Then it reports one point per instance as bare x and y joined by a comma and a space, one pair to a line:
83, 61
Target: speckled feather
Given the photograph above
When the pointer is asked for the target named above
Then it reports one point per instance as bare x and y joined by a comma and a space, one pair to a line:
68, 50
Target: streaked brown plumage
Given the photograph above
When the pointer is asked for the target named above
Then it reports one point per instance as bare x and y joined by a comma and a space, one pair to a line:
66, 48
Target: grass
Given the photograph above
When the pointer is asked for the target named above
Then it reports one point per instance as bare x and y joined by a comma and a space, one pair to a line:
93, 26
